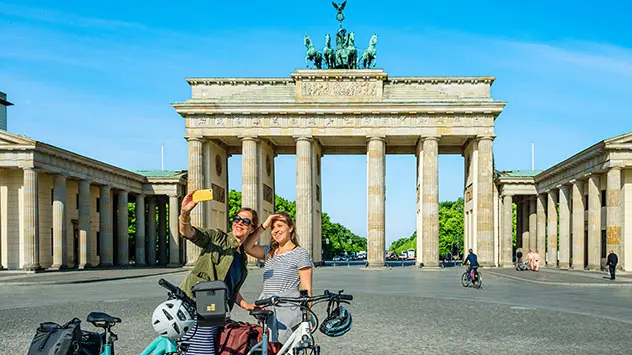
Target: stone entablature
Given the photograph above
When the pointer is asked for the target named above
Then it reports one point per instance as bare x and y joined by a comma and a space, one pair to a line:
341, 86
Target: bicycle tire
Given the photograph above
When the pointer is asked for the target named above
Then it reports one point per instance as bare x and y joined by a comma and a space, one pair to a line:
478, 282
464, 281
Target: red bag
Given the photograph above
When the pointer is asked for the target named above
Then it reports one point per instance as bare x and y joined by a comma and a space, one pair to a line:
239, 337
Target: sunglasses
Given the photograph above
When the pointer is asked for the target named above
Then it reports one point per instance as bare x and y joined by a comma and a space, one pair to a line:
244, 221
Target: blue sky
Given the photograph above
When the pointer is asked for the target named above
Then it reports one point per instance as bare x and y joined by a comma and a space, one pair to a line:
68, 66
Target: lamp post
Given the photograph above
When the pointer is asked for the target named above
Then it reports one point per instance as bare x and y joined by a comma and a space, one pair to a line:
348, 255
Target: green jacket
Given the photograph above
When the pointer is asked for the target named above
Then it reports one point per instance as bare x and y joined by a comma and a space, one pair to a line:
216, 256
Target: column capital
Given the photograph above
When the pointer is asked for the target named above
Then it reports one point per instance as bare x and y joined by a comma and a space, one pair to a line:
376, 138
248, 138
615, 168
193, 139
431, 137
490, 137
303, 138
508, 194
33, 168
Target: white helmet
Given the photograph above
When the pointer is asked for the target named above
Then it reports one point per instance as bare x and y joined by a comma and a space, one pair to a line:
171, 319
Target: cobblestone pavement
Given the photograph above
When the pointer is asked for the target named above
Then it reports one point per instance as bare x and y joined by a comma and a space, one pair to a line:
565, 277
396, 311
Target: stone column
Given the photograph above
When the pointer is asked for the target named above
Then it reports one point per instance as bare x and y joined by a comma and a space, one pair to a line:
533, 224
541, 226
105, 227
376, 174
578, 225
430, 201
551, 230
507, 237
613, 212
123, 226
518, 225
526, 214
162, 231
31, 221
485, 203
251, 181
85, 242
594, 223
304, 193
60, 231
140, 231
174, 235
151, 230
565, 227
195, 181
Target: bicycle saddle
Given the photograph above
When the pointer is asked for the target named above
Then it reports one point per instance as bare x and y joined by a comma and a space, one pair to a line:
102, 317
261, 313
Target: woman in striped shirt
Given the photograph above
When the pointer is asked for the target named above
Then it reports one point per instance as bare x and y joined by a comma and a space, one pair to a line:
288, 269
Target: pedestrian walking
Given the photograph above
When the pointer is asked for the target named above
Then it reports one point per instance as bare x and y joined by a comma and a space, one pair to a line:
612, 263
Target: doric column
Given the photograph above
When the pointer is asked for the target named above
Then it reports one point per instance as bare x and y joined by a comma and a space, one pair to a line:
251, 181
518, 225
123, 226
578, 225
174, 235
551, 230
140, 231
151, 230
526, 213
613, 211
85, 240
594, 223
31, 220
565, 227
533, 223
162, 231
430, 201
541, 226
507, 236
60, 257
485, 201
105, 227
376, 174
195, 180
304, 193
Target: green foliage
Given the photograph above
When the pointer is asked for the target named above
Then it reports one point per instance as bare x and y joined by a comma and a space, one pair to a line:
336, 238
450, 229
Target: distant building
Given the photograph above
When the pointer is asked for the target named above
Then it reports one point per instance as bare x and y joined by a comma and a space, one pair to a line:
3, 110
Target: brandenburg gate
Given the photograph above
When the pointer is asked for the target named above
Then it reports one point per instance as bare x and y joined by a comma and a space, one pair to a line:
316, 112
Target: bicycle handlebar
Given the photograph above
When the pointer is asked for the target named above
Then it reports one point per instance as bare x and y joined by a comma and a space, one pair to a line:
176, 291
314, 299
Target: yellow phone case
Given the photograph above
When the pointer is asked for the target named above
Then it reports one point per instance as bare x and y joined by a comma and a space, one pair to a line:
203, 195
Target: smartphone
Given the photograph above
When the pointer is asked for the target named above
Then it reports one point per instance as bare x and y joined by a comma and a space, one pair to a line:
203, 195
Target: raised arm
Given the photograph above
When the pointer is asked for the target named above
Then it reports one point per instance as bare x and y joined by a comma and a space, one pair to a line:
250, 244
184, 225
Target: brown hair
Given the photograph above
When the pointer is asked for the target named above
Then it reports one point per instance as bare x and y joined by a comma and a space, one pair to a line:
255, 217
285, 218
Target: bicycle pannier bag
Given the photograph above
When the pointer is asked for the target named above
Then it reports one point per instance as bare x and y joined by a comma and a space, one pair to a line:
210, 299
239, 338
52, 339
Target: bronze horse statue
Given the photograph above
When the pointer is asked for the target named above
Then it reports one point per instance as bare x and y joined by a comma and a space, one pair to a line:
312, 54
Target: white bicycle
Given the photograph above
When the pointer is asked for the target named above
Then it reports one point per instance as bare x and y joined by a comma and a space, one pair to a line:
301, 342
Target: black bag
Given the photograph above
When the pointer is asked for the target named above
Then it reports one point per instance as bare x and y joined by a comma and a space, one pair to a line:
52, 339
91, 343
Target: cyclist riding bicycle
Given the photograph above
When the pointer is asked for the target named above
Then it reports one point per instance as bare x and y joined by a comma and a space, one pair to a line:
472, 259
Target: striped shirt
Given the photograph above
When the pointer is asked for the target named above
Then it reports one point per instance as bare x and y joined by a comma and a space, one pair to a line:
280, 272
199, 340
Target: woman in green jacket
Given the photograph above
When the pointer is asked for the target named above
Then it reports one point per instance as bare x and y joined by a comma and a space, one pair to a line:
222, 257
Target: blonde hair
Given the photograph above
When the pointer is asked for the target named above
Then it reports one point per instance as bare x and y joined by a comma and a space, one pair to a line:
285, 218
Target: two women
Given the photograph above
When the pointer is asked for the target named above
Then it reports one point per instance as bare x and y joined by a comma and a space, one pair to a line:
222, 257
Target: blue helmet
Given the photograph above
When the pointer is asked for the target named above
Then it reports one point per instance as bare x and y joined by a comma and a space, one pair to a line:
337, 323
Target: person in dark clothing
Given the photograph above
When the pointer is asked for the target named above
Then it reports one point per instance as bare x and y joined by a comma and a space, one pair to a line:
472, 259
519, 256
612, 263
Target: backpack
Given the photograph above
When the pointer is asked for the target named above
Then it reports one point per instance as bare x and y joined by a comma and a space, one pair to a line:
54, 339
239, 337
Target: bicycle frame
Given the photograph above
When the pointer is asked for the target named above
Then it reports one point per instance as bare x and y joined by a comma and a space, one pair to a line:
160, 346
296, 338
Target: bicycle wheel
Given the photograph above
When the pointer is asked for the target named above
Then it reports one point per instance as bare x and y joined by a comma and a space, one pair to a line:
464, 281
478, 282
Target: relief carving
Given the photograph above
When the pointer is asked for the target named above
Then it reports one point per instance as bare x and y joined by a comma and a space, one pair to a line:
219, 194
268, 196
336, 88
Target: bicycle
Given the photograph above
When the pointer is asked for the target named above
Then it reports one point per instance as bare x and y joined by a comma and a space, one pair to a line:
475, 278
301, 341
